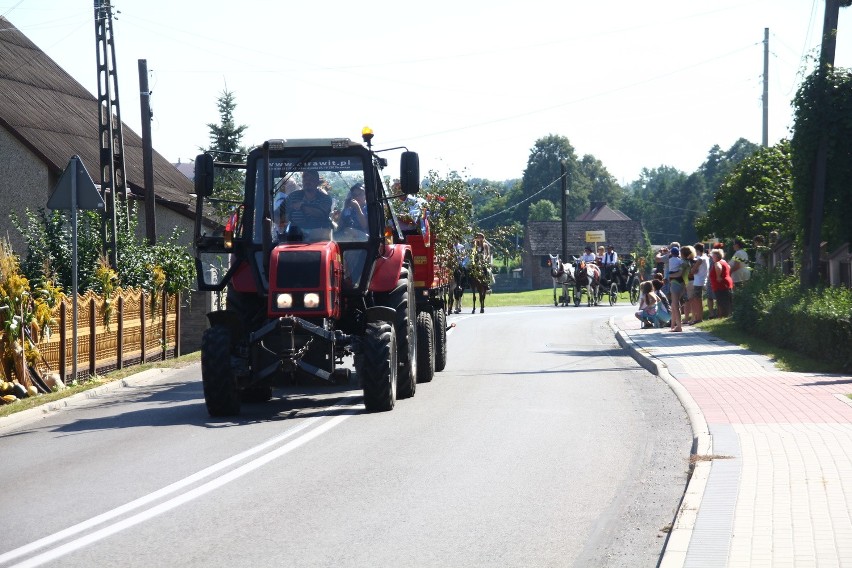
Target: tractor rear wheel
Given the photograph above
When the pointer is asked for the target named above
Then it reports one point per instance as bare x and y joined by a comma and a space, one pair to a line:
440, 339
425, 347
375, 364
221, 393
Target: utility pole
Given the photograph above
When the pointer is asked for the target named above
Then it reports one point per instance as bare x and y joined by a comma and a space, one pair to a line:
111, 139
813, 238
765, 87
564, 186
147, 153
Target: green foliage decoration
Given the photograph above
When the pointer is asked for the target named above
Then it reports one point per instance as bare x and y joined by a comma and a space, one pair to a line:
755, 198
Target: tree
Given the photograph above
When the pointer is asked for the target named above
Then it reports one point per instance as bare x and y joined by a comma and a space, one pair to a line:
814, 116
543, 172
755, 198
543, 210
603, 187
225, 146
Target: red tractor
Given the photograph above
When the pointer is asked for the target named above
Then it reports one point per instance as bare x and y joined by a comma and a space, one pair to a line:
308, 246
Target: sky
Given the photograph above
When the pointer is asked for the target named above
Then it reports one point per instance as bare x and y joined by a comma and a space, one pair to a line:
470, 85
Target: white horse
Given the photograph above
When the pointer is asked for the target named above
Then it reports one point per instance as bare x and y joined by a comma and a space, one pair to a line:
562, 275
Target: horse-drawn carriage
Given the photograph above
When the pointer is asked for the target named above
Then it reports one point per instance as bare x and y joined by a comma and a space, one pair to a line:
578, 276
623, 277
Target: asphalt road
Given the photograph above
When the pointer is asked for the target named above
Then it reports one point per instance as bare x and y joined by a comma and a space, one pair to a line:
541, 444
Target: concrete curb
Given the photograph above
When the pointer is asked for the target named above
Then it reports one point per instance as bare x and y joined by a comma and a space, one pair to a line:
39, 412
677, 543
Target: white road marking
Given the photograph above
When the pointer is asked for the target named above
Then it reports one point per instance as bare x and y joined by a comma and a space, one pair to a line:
175, 501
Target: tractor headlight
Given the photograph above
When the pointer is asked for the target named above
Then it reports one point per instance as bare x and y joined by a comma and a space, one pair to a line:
312, 300
284, 301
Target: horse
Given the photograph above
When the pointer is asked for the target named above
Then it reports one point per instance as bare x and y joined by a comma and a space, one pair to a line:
562, 275
586, 274
478, 286
457, 285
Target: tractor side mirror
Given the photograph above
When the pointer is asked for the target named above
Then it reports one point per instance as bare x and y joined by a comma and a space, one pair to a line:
204, 175
409, 172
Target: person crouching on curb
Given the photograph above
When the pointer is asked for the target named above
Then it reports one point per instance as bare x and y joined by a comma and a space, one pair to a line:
647, 304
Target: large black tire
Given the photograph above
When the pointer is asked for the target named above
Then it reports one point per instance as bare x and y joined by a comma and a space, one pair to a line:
613, 294
376, 366
221, 393
634, 290
425, 347
401, 299
440, 339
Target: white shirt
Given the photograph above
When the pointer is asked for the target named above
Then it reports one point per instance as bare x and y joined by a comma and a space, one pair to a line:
588, 257
703, 271
610, 258
740, 259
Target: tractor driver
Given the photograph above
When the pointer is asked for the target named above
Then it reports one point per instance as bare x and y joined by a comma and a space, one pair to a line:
309, 208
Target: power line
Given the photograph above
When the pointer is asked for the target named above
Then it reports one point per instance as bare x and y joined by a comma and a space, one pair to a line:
539, 192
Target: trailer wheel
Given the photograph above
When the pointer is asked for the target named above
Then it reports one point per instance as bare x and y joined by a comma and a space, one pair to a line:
376, 366
440, 339
221, 393
425, 347
401, 299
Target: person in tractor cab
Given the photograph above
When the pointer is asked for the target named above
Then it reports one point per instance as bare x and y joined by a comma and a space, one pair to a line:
309, 208
353, 218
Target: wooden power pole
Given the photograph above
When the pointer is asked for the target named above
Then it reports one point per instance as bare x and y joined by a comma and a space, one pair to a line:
813, 238
765, 87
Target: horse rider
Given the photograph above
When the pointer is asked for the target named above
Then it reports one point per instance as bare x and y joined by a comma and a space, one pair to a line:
483, 247
609, 263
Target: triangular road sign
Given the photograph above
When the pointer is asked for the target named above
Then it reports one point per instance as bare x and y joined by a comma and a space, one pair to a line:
75, 175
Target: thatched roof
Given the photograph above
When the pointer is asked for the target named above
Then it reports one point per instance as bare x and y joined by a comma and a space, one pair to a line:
55, 117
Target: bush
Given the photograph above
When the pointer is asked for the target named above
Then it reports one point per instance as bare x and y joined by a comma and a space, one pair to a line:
815, 322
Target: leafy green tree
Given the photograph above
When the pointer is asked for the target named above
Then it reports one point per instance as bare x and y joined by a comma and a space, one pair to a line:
543, 210
823, 105
755, 198
603, 187
657, 199
542, 176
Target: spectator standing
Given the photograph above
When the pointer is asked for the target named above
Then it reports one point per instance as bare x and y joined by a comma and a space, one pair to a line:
676, 286
699, 271
687, 254
660, 260
721, 282
739, 264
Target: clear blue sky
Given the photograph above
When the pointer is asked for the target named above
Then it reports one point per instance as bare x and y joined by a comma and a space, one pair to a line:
469, 85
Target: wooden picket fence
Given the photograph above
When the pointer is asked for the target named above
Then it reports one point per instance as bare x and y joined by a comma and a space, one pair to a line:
134, 334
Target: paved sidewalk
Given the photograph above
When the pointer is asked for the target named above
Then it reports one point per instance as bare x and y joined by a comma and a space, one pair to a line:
778, 489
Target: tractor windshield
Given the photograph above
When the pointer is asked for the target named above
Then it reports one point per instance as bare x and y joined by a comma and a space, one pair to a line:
316, 198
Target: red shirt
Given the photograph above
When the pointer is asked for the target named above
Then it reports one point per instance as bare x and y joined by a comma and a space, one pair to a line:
723, 281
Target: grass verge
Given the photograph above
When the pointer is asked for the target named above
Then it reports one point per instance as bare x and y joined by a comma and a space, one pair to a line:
96, 381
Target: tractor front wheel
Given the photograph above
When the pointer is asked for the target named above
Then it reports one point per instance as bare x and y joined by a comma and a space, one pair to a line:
221, 393
376, 366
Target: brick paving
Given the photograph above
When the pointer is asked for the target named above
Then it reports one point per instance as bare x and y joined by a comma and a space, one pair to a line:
781, 495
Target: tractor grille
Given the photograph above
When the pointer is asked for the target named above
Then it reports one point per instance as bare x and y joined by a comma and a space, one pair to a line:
298, 269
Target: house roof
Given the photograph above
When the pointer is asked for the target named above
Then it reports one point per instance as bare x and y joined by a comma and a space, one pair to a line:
56, 118
545, 237
600, 211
